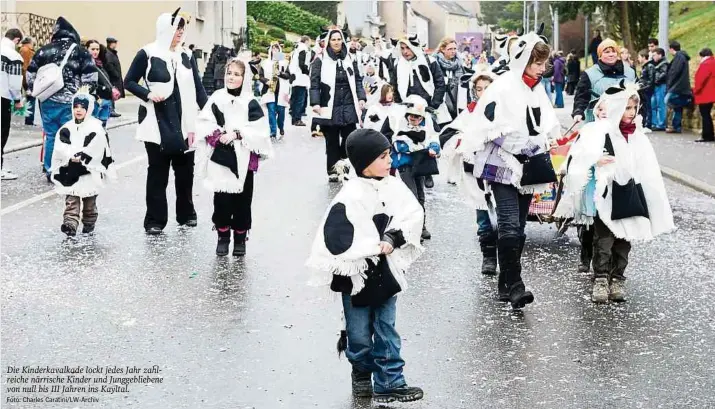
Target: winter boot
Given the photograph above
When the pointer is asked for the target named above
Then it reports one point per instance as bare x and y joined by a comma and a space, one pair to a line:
502, 290
429, 182
68, 229
362, 384
519, 296
87, 228
488, 244
585, 237
600, 290
239, 243
402, 394
224, 240
617, 290
426, 235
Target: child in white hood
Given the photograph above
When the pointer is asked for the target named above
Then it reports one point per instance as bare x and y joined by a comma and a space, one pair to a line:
233, 134
613, 182
80, 164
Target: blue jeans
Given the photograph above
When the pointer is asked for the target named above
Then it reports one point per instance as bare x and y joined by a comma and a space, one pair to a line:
484, 224
374, 344
512, 209
297, 102
546, 82
677, 102
559, 95
102, 111
657, 107
54, 115
31, 107
276, 110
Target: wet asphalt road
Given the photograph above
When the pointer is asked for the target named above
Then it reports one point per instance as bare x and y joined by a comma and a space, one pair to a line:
230, 333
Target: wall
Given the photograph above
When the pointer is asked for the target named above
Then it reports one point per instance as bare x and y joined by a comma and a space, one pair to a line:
393, 14
437, 17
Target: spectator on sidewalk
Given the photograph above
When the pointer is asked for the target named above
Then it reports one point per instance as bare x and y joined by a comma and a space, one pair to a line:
626, 57
660, 87
573, 69
679, 93
608, 71
559, 78
547, 77
704, 92
652, 46
10, 88
80, 70
114, 69
646, 84
103, 93
27, 51
593, 47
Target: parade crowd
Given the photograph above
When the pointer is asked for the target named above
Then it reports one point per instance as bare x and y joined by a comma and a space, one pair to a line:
392, 118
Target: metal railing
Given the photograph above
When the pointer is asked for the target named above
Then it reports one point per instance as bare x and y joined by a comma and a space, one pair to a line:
38, 27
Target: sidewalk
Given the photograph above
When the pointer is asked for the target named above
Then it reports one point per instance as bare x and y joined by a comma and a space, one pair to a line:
24, 137
680, 157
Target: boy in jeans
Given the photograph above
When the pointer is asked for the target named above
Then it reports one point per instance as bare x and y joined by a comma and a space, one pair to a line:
368, 238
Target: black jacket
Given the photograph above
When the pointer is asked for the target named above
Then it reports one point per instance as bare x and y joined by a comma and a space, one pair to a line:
660, 72
344, 112
114, 69
679, 74
647, 80
104, 86
583, 96
80, 69
573, 69
435, 100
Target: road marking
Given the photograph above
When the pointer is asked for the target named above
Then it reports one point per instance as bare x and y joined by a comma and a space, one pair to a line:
43, 196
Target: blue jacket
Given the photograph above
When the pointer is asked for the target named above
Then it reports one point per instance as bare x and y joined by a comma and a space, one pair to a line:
400, 153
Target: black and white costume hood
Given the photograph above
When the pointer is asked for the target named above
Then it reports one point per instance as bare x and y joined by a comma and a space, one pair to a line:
635, 160
165, 70
384, 59
524, 116
87, 141
501, 64
283, 85
226, 113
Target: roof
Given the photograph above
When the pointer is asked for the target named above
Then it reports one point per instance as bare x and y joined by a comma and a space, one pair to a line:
454, 8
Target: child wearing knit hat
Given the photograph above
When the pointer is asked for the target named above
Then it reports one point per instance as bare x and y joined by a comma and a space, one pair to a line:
369, 236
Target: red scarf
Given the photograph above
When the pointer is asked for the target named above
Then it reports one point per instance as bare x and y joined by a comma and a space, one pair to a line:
627, 129
531, 82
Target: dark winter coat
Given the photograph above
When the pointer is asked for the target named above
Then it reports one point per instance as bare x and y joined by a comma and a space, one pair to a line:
679, 74
647, 80
104, 86
549, 73
114, 69
660, 74
80, 69
344, 112
573, 68
559, 70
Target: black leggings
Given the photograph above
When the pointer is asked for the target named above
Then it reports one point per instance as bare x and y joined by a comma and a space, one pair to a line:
234, 209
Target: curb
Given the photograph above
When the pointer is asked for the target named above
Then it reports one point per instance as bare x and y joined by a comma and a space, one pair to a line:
28, 145
688, 181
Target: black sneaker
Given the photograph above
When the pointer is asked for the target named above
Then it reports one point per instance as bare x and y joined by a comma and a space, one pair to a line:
362, 384
114, 114
68, 229
153, 230
87, 228
401, 394
519, 296
426, 235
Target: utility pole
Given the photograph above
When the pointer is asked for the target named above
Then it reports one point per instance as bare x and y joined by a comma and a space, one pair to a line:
556, 28
536, 14
663, 14
526, 27
585, 41
524, 19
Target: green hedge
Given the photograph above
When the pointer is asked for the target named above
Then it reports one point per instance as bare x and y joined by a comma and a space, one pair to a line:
276, 33
286, 16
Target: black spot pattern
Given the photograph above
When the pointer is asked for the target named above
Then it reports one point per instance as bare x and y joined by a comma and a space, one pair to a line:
254, 111
350, 71
65, 136
537, 118
338, 232
424, 73
88, 138
85, 158
220, 119
185, 61
608, 146
381, 221
107, 160
142, 113
374, 118
158, 71
568, 163
324, 94
489, 110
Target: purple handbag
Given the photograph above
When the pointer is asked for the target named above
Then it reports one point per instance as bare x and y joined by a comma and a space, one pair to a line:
253, 162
